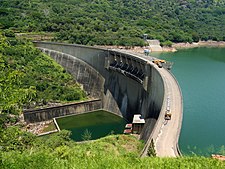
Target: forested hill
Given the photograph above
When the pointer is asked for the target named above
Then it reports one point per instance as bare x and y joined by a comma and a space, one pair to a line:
30, 79
117, 22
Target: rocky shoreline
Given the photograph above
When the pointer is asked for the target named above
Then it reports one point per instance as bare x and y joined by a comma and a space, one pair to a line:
174, 48
199, 44
177, 46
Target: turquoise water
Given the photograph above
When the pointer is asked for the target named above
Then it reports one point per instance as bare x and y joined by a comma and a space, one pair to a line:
201, 75
93, 125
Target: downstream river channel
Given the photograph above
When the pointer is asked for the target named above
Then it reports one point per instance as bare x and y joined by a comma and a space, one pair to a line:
201, 75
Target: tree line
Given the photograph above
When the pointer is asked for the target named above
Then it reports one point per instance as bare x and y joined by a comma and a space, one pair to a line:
117, 22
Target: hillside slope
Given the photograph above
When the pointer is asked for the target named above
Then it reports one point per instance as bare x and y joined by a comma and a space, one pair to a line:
117, 22
117, 151
28, 78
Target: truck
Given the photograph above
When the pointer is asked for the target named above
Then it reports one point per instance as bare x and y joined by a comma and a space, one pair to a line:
168, 115
159, 62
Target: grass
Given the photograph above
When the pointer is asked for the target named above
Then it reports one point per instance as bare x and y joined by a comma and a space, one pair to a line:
115, 151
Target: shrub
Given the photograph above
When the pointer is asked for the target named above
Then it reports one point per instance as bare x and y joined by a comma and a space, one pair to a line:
166, 43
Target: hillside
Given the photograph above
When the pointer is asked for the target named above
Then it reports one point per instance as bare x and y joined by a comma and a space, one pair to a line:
117, 22
59, 152
28, 78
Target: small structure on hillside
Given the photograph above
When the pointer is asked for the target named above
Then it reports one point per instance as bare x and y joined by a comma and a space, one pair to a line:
137, 124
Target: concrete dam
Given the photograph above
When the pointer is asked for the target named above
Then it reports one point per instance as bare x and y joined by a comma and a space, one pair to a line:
127, 84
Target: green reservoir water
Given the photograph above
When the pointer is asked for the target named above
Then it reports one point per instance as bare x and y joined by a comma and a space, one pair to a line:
92, 125
201, 75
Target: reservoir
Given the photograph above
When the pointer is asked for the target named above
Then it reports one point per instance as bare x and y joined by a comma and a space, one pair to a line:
92, 125
201, 75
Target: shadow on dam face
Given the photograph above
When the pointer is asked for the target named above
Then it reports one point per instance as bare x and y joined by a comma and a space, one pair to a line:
130, 97
120, 94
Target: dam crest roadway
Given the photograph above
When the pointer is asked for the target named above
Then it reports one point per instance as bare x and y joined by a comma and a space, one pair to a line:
127, 84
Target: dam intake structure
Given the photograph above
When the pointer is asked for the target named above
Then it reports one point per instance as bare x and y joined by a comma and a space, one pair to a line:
127, 84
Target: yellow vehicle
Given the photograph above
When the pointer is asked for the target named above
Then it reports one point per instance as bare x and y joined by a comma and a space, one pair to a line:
168, 115
159, 62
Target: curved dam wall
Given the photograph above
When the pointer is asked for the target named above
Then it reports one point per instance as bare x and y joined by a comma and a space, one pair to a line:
120, 94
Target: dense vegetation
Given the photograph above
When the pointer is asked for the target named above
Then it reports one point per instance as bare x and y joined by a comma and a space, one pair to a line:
117, 22
58, 152
29, 78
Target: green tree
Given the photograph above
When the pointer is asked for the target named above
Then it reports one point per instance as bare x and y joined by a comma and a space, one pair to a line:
151, 149
87, 135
